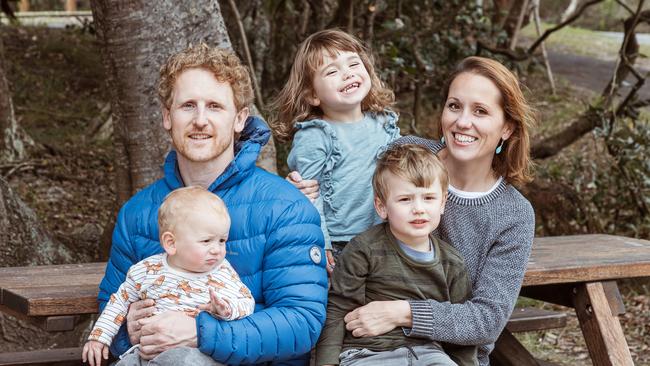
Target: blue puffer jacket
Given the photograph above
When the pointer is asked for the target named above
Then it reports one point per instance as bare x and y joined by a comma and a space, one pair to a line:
274, 243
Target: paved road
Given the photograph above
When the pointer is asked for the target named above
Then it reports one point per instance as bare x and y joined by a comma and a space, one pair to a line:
589, 73
52, 19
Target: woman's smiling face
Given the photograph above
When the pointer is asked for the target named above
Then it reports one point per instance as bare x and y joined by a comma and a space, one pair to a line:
473, 121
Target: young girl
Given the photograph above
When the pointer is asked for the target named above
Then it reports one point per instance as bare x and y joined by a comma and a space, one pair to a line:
337, 108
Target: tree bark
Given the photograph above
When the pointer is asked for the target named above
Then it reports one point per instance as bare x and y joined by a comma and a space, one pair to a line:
12, 147
137, 36
23, 241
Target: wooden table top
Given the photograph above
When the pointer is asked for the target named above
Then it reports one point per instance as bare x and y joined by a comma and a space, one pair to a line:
585, 258
72, 289
67, 289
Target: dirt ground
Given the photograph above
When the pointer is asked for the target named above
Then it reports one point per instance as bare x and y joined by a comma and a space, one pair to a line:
59, 94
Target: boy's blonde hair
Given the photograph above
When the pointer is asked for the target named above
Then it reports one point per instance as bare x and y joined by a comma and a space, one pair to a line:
224, 65
292, 103
180, 203
413, 163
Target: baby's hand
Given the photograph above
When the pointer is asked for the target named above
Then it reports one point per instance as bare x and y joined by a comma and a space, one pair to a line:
219, 306
93, 352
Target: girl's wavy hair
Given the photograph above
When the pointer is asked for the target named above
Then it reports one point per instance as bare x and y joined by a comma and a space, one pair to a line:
292, 103
514, 162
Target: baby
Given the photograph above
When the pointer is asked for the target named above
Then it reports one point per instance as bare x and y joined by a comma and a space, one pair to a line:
191, 275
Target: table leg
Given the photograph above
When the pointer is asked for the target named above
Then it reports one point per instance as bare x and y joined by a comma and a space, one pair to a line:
600, 326
508, 351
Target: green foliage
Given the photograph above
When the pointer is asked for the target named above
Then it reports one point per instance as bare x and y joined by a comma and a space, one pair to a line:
418, 45
629, 145
600, 186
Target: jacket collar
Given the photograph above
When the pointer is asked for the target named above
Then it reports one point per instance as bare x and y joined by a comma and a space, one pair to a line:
254, 135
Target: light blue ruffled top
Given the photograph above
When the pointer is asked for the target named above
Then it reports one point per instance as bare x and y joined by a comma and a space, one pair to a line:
342, 157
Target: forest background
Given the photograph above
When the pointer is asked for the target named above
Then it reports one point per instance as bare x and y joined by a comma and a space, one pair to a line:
80, 126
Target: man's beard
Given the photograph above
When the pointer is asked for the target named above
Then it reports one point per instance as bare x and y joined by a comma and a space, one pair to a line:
204, 154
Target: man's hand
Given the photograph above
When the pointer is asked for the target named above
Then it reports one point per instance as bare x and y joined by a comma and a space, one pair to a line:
138, 310
308, 187
378, 317
164, 331
93, 352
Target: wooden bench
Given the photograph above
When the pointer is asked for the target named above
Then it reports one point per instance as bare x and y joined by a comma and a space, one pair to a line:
58, 357
533, 319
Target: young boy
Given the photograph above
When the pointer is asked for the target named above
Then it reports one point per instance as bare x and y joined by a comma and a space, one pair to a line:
397, 260
191, 275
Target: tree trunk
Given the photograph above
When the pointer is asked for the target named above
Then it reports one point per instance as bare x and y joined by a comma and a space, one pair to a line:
11, 144
570, 9
136, 38
23, 241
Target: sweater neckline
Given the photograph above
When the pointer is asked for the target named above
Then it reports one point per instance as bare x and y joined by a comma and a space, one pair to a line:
435, 146
480, 200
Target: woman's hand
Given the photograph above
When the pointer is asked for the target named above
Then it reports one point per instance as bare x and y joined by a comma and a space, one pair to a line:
308, 187
378, 317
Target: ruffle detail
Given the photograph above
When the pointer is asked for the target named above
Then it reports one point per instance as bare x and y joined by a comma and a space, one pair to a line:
389, 121
391, 128
333, 157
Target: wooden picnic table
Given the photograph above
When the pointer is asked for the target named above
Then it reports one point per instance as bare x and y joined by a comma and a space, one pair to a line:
576, 271
580, 271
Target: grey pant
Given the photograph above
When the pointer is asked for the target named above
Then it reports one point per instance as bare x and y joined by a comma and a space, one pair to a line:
175, 356
428, 355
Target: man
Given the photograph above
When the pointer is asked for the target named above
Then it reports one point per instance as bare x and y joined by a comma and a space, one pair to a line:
275, 242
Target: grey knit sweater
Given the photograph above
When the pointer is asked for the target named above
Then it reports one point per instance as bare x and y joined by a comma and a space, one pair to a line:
494, 234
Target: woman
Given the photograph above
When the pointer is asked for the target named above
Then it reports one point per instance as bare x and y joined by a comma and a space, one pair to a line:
485, 147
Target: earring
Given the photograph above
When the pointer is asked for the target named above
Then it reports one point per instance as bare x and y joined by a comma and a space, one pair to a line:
500, 147
442, 140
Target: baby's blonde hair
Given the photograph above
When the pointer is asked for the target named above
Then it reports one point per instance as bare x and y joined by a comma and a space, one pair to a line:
180, 203
413, 163
292, 103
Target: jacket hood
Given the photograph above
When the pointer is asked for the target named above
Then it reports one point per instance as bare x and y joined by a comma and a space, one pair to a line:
254, 135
